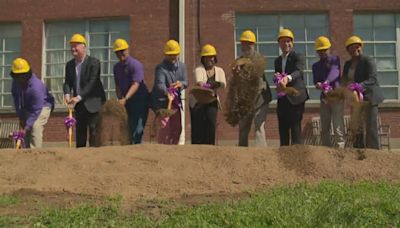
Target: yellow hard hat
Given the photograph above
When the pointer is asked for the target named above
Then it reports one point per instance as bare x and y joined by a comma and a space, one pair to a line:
285, 33
353, 40
172, 48
77, 38
248, 36
120, 44
322, 43
20, 66
208, 50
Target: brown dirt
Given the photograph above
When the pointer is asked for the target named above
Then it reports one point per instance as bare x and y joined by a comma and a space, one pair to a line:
188, 174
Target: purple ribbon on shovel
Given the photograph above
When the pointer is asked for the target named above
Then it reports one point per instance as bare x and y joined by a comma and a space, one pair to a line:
358, 88
277, 79
18, 135
174, 92
326, 87
206, 86
69, 122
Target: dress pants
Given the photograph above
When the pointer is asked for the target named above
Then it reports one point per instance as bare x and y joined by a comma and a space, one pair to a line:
85, 120
289, 121
203, 123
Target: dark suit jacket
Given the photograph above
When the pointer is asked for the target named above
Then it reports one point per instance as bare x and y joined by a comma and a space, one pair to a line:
91, 88
366, 75
294, 67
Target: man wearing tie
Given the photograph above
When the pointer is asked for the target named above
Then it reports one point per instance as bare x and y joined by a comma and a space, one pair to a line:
83, 89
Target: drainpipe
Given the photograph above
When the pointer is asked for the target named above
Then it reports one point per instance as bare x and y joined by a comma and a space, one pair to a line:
182, 58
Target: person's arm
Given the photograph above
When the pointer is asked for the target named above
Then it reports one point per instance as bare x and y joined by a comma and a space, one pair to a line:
160, 81
298, 67
334, 72
370, 69
67, 87
199, 76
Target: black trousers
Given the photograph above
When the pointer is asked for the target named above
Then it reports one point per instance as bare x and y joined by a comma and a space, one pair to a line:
370, 118
203, 120
85, 120
289, 121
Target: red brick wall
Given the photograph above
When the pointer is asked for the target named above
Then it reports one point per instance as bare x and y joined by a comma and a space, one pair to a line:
155, 21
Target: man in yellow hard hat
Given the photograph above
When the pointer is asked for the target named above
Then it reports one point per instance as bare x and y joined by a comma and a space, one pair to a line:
170, 79
362, 70
32, 100
326, 77
260, 92
290, 108
131, 89
203, 116
83, 89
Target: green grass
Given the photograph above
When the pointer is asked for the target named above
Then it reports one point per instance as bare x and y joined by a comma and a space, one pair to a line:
7, 200
322, 205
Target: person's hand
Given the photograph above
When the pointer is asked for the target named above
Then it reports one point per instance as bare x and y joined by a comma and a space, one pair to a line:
170, 96
67, 100
74, 101
122, 101
318, 85
284, 81
177, 84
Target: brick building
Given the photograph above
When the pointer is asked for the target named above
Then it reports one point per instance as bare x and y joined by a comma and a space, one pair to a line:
39, 30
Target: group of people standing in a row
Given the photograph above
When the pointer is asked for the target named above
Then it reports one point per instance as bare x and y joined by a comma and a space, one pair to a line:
84, 90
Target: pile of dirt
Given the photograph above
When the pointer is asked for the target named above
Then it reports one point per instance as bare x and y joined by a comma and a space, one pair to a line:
153, 171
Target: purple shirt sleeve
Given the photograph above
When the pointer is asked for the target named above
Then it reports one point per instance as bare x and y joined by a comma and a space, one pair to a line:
137, 72
334, 72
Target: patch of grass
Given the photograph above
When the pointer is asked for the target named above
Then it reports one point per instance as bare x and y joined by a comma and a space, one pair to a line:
6, 200
322, 205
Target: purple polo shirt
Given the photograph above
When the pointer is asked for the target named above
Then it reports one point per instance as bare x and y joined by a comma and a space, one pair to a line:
128, 72
30, 100
327, 70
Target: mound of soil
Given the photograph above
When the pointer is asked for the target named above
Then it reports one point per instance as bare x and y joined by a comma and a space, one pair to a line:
153, 171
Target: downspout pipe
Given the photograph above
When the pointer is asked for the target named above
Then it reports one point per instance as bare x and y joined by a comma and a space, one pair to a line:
182, 58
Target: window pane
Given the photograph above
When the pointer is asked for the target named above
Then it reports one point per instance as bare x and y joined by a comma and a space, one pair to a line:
362, 21
270, 63
390, 93
385, 63
99, 40
123, 35
385, 49
385, 33
300, 48
364, 34
8, 100
267, 34
245, 20
314, 93
55, 70
311, 50
384, 20
368, 49
12, 44
55, 57
388, 78
56, 42
7, 84
268, 49
314, 33
9, 57
100, 54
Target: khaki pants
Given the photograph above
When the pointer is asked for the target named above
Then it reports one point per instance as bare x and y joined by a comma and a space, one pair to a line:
34, 138
258, 116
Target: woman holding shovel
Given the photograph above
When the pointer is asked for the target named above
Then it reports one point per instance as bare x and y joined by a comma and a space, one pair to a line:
170, 79
204, 101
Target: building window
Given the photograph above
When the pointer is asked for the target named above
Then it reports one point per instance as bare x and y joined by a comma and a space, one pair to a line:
100, 35
10, 47
380, 33
306, 28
